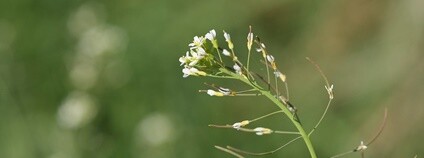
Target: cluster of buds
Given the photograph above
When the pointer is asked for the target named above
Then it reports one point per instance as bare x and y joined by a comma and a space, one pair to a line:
199, 60
192, 58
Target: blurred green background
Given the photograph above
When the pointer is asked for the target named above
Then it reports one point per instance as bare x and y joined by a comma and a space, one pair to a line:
102, 78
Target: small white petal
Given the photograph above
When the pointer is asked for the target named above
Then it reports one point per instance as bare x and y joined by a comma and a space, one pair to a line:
237, 68
250, 37
213, 32
194, 70
211, 35
211, 92
227, 36
226, 52
186, 72
182, 60
194, 62
237, 125
201, 51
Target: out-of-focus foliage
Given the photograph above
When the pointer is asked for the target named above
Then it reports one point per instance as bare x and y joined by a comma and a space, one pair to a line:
102, 78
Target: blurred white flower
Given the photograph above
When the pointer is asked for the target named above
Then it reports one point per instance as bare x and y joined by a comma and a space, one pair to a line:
77, 110
155, 129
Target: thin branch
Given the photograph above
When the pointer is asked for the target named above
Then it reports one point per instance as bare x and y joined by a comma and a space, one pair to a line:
287, 90
251, 130
343, 154
322, 117
330, 93
228, 151
361, 147
263, 153
319, 70
267, 115
383, 124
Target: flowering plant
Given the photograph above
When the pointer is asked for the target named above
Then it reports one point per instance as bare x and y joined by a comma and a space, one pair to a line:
205, 57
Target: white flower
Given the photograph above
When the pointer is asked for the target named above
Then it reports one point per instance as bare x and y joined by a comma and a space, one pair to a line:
261, 131
226, 52
211, 35
214, 93
196, 56
187, 72
184, 59
197, 42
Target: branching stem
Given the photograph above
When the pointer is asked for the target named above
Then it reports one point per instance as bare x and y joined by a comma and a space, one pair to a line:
281, 106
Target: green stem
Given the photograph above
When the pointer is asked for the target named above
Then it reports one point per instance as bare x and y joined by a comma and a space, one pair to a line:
281, 106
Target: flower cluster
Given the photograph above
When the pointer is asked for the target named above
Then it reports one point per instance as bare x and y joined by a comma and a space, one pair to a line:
198, 58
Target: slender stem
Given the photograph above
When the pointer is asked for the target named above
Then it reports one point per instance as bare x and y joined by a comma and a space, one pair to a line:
229, 151
219, 55
281, 106
248, 60
263, 153
275, 112
251, 130
322, 118
342, 154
